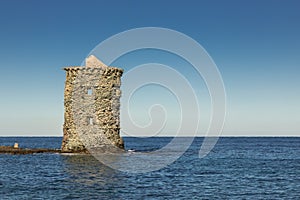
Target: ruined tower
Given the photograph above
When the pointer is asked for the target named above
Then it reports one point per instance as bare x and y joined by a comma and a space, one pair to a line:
92, 103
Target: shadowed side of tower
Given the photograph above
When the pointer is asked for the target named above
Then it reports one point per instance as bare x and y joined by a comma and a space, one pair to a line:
92, 107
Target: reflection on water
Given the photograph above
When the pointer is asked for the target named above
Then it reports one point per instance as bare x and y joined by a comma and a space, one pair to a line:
89, 177
87, 170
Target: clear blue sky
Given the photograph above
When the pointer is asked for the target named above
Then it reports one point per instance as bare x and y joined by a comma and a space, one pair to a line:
255, 44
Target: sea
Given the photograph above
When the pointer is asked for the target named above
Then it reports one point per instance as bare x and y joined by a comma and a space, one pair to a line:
237, 168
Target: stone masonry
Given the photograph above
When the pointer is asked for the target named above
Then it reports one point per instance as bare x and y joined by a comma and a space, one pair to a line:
92, 104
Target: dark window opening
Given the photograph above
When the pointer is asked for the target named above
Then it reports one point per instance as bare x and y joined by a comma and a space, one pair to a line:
90, 121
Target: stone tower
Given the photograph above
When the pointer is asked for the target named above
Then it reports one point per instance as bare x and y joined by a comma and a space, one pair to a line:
92, 103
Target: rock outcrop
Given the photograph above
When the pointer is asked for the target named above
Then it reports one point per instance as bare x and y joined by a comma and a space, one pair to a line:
92, 104
14, 150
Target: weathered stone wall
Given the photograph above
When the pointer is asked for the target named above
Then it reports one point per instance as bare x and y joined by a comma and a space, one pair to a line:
107, 105
92, 103
71, 141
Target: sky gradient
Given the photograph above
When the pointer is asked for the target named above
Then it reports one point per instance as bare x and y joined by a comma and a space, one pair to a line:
255, 44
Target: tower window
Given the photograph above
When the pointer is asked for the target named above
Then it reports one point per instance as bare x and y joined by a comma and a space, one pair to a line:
89, 91
90, 121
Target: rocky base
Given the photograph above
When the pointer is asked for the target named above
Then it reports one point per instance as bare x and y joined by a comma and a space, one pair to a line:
12, 150
24, 151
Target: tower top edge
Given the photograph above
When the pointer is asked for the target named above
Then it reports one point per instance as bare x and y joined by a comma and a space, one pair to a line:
84, 68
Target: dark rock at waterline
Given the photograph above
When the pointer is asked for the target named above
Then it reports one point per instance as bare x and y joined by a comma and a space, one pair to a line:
12, 150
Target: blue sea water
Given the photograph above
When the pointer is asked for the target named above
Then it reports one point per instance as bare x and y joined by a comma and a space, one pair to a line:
237, 168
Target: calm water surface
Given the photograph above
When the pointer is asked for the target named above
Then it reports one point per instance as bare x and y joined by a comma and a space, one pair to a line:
238, 168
